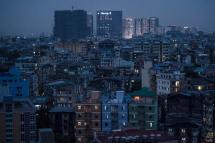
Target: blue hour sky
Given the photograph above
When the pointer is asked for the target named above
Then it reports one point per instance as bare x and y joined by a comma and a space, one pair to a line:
37, 16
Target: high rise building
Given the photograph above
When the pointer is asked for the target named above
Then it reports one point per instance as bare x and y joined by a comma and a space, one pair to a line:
128, 28
109, 24
138, 27
88, 118
153, 25
70, 25
145, 26
17, 120
90, 24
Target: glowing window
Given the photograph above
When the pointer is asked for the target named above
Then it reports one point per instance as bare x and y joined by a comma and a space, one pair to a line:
137, 98
79, 123
79, 107
96, 107
150, 124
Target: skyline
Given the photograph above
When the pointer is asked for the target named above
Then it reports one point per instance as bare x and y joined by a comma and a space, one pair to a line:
26, 17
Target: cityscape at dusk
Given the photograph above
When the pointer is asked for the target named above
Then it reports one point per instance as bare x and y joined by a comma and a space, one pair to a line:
107, 71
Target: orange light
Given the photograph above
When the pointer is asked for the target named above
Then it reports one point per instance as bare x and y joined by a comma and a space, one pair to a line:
137, 98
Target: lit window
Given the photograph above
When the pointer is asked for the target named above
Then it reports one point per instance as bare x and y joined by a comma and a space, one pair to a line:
150, 125
79, 123
169, 130
107, 116
96, 107
105, 108
123, 123
79, 107
137, 98
199, 88
183, 130
183, 139
134, 116
177, 83
79, 139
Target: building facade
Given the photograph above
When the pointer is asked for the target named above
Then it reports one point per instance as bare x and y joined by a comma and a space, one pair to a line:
70, 25
17, 120
12, 83
109, 24
114, 112
143, 109
88, 118
128, 28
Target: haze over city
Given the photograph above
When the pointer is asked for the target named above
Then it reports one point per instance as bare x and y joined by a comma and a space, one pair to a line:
27, 17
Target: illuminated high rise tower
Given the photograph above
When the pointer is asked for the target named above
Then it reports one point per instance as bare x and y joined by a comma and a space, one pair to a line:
128, 28
153, 25
138, 27
109, 24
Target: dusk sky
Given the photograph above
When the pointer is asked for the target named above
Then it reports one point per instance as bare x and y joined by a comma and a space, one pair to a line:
37, 16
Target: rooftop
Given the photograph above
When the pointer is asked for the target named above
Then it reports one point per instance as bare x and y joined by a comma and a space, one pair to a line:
143, 92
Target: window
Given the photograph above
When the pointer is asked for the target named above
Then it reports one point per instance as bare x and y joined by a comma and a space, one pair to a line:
106, 124
96, 107
183, 139
79, 107
96, 116
79, 115
150, 116
150, 124
183, 130
105, 108
134, 116
79, 123
79, 132
96, 124
8, 107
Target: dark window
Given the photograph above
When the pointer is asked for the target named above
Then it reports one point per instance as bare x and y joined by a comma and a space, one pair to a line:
150, 116
96, 124
96, 116
79, 132
8, 107
106, 124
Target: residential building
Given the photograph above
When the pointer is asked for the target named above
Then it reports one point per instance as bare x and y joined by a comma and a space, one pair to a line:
169, 81
143, 109
12, 83
17, 120
145, 74
136, 136
64, 93
114, 112
88, 118
62, 122
46, 135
